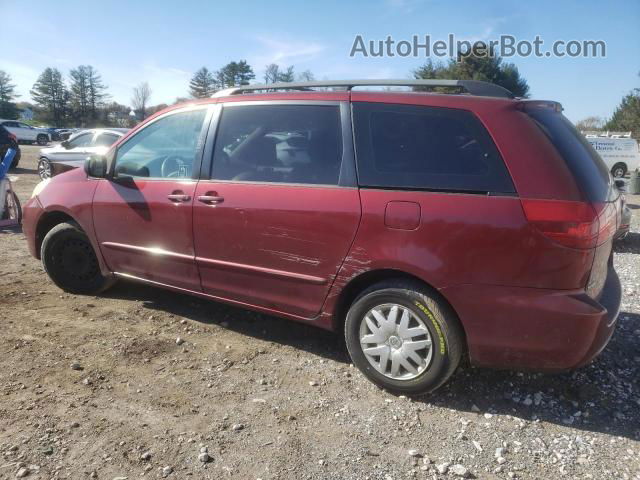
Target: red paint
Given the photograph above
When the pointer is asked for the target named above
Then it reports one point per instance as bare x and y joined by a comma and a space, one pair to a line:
506, 265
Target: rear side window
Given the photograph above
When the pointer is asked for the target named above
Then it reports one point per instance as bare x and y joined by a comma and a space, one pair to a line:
279, 144
431, 148
106, 140
583, 161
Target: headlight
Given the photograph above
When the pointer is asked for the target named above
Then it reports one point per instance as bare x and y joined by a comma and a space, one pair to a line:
40, 187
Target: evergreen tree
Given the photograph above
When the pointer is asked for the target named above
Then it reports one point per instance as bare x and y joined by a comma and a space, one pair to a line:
203, 84
8, 108
51, 96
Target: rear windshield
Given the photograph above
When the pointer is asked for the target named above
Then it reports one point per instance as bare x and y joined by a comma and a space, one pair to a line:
585, 164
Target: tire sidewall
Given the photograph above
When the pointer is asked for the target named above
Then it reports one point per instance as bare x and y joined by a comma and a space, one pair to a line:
50, 247
42, 139
421, 306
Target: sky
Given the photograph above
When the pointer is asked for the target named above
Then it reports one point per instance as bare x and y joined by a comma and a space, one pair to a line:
165, 42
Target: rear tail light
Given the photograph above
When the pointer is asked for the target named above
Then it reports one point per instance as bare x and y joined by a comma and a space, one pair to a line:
572, 224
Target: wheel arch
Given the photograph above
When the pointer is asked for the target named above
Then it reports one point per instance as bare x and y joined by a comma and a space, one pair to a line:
364, 280
46, 222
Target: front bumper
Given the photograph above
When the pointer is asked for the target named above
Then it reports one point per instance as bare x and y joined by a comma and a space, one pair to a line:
536, 329
31, 212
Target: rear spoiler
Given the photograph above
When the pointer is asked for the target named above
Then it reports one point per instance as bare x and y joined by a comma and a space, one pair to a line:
528, 105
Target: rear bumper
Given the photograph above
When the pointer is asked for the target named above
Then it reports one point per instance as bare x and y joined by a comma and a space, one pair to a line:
536, 329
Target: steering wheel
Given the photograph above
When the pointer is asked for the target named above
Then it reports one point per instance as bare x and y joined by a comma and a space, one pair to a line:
171, 166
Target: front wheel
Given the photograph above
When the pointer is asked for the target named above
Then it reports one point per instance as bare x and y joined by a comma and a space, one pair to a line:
42, 139
403, 337
70, 261
44, 168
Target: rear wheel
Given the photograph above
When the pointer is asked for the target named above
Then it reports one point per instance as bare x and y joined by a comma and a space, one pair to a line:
403, 337
70, 261
619, 170
44, 168
42, 139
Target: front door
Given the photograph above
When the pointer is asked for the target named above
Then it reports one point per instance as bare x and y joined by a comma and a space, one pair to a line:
276, 219
143, 213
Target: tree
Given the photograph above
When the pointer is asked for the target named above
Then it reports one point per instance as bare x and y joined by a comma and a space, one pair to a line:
202, 84
273, 74
627, 116
86, 94
8, 108
51, 96
140, 99
590, 123
306, 76
479, 64
234, 74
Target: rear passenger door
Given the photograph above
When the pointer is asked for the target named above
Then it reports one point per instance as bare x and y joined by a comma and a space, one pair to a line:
275, 214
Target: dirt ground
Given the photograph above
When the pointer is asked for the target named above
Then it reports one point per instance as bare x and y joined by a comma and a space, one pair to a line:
98, 387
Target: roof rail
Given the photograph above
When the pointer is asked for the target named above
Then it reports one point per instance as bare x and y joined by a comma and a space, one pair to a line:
606, 134
471, 87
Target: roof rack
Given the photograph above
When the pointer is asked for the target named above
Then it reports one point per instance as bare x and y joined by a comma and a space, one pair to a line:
607, 134
471, 87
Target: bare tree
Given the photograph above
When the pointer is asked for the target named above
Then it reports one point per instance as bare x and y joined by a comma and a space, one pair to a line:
590, 123
140, 99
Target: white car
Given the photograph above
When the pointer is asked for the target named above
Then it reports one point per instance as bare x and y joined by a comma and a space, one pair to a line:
26, 133
73, 152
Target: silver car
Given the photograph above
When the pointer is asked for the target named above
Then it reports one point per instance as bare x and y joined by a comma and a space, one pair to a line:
26, 133
73, 152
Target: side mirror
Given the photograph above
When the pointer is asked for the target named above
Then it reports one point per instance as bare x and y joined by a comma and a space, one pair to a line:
96, 166
66, 144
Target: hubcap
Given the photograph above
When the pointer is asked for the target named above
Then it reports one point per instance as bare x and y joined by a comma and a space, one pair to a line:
395, 341
44, 169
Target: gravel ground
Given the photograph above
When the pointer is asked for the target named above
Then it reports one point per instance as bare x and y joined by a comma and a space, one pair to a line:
144, 382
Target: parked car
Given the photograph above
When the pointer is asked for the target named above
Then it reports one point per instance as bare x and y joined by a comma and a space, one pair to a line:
424, 226
619, 152
26, 133
73, 152
65, 133
9, 140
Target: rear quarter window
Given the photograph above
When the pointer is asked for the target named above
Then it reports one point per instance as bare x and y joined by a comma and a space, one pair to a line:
430, 148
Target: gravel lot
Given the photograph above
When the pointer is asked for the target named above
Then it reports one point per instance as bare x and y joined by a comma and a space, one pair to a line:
101, 387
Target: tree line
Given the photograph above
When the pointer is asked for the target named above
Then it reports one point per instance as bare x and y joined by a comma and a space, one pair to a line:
81, 99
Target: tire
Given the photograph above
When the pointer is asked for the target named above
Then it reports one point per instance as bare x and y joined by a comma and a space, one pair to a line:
12, 207
426, 311
70, 261
619, 170
42, 139
44, 168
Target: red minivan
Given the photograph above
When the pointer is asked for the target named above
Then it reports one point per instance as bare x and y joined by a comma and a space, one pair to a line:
425, 225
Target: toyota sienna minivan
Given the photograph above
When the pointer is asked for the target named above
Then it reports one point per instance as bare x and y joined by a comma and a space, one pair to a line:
425, 225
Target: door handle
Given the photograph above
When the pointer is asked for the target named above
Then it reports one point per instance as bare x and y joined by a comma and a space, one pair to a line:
178, 196
210, 199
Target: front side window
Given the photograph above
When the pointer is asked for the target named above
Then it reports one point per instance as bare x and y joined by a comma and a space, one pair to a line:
105, 140
431, 148
83, 140
167, 148
279, 144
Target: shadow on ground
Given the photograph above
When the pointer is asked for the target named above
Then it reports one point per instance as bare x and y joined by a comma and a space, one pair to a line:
601, 397
630, 244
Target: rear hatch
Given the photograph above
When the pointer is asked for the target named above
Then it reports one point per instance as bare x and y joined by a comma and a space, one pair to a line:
591, 223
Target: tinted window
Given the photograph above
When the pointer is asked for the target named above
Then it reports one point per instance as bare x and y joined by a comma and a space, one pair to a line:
105, 140
584, 162
279, 143
167, 148
407, 146
81, 140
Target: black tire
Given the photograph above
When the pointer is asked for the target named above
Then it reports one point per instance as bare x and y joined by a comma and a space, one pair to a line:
70, 261
44, 168
443, 325
42, 139
619, 170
